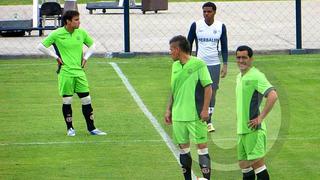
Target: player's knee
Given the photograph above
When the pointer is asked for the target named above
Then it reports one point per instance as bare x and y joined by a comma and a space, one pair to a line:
202, 146
67, 100
184, 146
257, 163
244, 164
86, 100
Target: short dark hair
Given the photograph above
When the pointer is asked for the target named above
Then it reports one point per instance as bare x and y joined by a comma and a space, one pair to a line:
245, 48
210, 4
183, 43
68, 15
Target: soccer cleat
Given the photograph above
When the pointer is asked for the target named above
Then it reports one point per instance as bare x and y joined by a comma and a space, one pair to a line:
97, 132
211, 128
71, 132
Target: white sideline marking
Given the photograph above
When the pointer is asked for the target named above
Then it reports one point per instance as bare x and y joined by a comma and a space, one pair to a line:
82, 142
147, 113
143, 141
145, 110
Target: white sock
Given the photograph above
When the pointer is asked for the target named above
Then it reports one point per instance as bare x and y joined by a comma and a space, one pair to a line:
260, 169
247, 170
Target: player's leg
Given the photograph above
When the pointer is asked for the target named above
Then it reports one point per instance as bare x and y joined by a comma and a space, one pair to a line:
87, 109
185, 160
215, 76
259, 143
66, 91
244, 164
181, 137
204, 160
253, 168
67, 114
247, 170
87, 112
254, 145
260, 170
201, 138
82, 89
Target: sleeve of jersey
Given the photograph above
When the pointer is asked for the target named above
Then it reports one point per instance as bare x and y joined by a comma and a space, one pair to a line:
204, 76
88, 41
192, 34
48, 41
224, 44
263, 86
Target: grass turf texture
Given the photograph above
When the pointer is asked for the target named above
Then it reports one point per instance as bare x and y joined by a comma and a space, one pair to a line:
30, 111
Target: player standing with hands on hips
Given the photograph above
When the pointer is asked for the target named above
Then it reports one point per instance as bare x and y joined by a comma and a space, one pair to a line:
68, 43
207, 33
252, 85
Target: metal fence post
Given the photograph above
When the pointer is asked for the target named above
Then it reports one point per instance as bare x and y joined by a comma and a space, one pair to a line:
298, 49
298, 25
126, 13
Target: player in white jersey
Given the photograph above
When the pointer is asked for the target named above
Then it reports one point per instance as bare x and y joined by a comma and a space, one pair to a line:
207, 33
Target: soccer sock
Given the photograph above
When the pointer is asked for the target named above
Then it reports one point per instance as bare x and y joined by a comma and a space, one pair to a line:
262, 173
67, 114
248, 174
87, 112
205, 162
209, 120
186, 163
211, 109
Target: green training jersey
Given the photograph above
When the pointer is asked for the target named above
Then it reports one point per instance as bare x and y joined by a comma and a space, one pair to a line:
69, 47
184, 80
250, 89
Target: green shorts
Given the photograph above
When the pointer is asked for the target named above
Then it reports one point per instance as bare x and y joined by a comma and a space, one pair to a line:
183, 131
70, 85
252, 146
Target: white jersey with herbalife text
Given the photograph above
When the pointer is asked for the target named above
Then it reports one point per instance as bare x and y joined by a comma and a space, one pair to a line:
208, 39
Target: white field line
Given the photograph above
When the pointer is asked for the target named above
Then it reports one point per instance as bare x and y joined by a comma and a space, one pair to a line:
145, 110
148, 114
85, 142
143, 141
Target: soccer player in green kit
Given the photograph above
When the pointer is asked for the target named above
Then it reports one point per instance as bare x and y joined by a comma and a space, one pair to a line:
185, 114
68, 43
252, 86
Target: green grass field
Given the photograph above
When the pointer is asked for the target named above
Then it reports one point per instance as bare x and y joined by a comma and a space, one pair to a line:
33, 143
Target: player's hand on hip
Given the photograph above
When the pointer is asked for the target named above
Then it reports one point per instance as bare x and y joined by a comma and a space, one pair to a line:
204, 115
59, 61
254, 123
224, 70
168, 118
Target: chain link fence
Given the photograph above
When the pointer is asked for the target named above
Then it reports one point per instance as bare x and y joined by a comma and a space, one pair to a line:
263, 25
